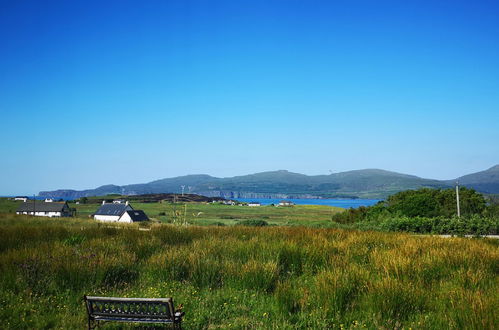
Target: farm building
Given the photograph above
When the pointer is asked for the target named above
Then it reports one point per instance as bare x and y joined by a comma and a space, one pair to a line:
119, 212
286, 203
21, 198
45, 209
254, 204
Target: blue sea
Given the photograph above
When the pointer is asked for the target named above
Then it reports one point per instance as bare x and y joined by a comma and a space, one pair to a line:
344, 203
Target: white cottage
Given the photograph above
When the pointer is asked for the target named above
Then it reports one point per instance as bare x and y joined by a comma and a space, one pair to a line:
254, 204
44, 209
119, 212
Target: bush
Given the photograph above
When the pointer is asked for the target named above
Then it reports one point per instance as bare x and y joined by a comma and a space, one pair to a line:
253, 223
471, 225
426, 211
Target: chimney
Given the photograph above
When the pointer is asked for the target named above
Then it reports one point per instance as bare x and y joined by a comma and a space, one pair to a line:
103, 202
126, 203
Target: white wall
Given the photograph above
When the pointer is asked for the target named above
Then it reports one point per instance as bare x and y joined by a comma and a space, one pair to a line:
107, 218
42, 214
125, 218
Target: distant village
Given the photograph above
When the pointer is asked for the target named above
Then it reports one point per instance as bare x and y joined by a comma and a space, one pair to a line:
118, 210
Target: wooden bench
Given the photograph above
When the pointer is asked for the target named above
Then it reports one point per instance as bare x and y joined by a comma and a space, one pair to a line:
136, 310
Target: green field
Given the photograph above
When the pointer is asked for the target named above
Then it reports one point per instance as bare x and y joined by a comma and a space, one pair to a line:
206, 214
242, 277
215, 214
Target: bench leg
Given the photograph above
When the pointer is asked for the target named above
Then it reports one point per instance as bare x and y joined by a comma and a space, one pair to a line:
91, 324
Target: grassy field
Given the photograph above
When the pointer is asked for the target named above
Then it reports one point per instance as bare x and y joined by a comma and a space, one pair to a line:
208, 214
242, 277
215, 214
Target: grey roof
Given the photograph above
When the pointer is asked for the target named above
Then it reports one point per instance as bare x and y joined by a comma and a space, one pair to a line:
41, 206
137, 215
113, 209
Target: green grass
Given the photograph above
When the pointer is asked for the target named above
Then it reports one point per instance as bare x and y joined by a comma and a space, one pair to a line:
247, 277
213, 214
208, 214
8, 206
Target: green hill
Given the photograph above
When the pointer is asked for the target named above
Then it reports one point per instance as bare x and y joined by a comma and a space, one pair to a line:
369, 183
485, 181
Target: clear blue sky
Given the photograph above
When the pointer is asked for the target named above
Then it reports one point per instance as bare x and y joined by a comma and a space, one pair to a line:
132, 91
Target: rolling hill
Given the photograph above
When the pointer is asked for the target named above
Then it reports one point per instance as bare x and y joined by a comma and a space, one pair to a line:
485, 181
368, 183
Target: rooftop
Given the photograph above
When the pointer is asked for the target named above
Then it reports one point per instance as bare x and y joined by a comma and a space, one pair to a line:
41, 206
113, 209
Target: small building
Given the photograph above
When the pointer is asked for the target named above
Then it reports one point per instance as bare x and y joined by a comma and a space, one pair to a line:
286, 203
21, 198
45, 209
134, 216
119, 212
49, 200
254, 204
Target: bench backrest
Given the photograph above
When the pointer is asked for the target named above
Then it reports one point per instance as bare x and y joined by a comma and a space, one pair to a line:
150, 308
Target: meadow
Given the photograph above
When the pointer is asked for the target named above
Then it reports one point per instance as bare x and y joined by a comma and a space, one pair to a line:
219, 214
247, 277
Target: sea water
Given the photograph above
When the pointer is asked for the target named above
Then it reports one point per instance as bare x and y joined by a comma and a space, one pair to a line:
344, 203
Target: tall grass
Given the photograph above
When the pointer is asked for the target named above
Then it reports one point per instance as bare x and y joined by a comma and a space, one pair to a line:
242, 277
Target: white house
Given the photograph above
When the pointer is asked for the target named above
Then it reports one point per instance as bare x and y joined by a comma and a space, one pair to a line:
21, 198
134, 216
286, 203
119, 212
254, 204
44, 209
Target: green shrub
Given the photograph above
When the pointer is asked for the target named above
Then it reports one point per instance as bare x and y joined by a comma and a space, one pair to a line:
253, 223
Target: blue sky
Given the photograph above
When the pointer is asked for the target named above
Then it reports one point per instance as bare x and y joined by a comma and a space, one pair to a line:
128, 91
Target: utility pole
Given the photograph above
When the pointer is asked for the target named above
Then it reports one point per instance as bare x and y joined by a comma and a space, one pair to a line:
457, 200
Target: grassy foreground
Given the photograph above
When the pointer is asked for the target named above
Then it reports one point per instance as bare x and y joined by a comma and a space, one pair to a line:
240, 277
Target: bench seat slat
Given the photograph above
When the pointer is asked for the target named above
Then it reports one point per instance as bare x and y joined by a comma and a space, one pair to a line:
123, 315
131, 319
116, 299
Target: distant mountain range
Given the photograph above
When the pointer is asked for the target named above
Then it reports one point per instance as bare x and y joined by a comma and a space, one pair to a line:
369, 183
